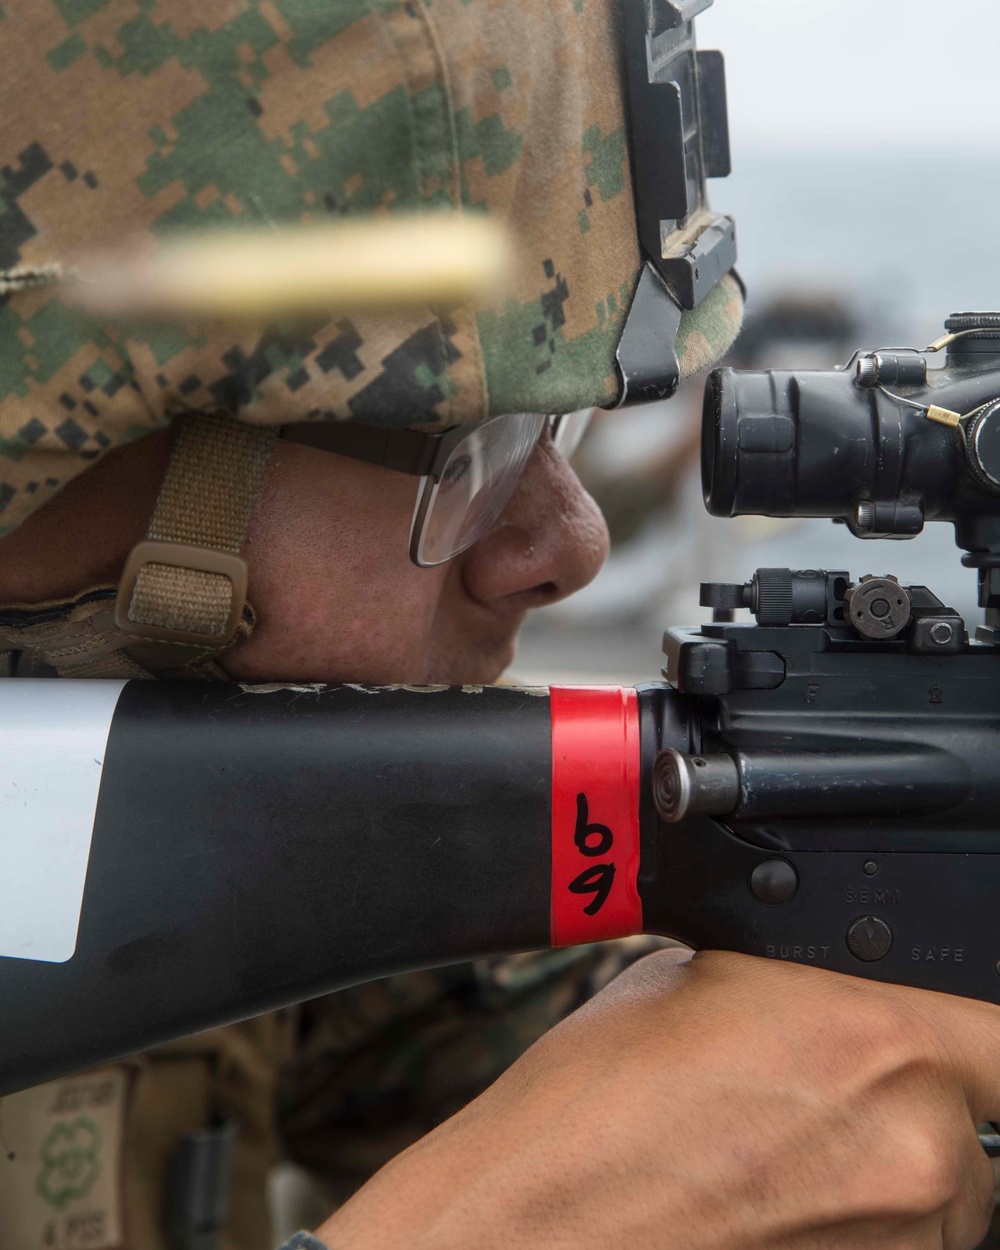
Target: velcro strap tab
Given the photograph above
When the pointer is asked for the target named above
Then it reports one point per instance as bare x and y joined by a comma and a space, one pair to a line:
187, 582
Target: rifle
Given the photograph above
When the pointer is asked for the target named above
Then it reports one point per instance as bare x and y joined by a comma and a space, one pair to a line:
820, 786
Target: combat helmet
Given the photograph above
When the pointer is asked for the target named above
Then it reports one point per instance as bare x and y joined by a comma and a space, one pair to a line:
140, 118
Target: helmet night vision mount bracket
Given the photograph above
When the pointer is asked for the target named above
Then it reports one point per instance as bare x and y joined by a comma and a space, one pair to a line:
678, 138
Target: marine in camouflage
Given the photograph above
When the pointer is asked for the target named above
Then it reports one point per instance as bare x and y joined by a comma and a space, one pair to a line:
135, 119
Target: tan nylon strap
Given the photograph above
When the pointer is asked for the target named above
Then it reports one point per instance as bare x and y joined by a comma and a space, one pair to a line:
182, 596
207, 496
208, 492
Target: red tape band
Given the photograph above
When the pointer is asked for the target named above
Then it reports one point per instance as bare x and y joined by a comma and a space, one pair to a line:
595, 814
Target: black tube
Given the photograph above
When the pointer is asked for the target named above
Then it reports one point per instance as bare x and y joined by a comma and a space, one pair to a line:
256, 847
253, 849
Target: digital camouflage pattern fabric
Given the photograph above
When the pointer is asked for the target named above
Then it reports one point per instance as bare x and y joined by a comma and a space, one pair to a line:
340, 1085
378, 1066
132, 119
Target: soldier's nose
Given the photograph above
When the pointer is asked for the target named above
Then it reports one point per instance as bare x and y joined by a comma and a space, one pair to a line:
550, 541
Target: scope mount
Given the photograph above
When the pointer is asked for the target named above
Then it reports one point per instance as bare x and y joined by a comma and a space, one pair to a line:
801, 612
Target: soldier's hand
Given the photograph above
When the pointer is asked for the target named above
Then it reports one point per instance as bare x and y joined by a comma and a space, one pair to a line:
722, 1102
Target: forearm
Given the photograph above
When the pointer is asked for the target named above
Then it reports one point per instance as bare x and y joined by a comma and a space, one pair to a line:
857, 1102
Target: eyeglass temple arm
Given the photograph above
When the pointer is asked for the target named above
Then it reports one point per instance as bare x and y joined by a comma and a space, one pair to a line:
404, 451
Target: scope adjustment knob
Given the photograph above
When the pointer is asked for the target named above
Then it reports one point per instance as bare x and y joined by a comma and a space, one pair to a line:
878, 607
978, 338
967, 322
773, 598
982, 443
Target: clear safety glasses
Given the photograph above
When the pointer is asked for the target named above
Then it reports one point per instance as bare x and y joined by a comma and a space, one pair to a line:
468, 473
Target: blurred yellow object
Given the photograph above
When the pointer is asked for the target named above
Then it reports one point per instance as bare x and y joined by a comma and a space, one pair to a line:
347, 266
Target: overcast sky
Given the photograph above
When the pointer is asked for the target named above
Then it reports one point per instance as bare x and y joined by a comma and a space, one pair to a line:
859, 71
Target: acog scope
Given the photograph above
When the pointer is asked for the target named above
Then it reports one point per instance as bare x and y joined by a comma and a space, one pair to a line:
883, 445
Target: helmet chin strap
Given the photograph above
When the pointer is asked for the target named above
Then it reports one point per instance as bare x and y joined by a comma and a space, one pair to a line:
181, 600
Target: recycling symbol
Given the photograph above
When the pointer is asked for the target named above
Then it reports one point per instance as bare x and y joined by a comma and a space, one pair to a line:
71, 1161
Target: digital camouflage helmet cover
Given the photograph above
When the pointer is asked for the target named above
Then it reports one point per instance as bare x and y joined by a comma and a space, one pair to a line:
136, 119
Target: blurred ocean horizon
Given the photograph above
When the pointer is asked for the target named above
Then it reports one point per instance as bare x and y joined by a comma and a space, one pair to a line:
909, 232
